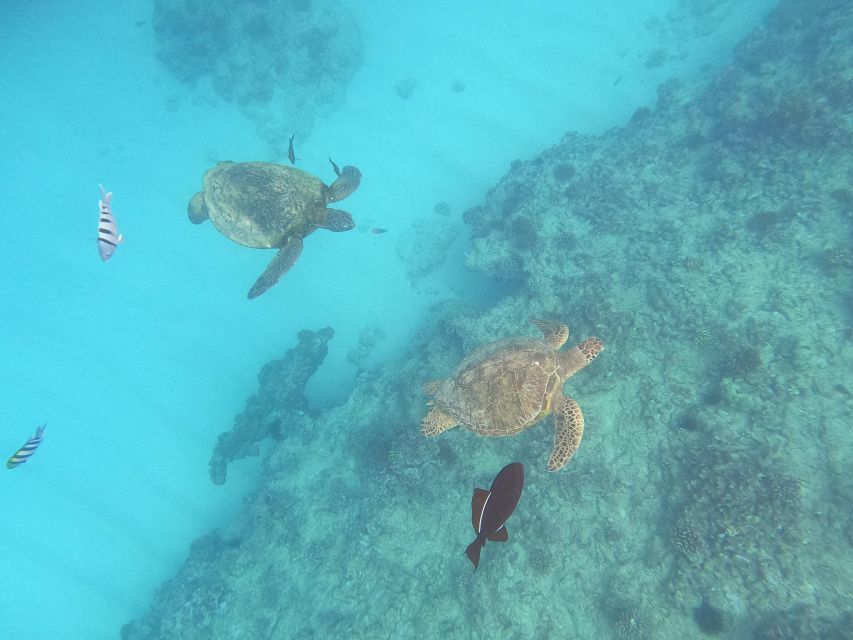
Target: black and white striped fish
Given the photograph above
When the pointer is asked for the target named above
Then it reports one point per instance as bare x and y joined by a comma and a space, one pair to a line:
108, 235
23, 454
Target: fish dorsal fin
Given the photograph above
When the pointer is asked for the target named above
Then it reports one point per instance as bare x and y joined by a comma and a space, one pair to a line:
478, 501
501, 535
326, 192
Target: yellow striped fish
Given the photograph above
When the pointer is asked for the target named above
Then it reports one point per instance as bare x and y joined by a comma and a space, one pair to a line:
23, 454
108, 235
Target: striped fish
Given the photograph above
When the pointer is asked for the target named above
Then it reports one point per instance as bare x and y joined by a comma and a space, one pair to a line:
108, 235
23, 454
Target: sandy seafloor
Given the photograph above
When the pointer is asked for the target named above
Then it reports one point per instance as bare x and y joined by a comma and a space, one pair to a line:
706, 239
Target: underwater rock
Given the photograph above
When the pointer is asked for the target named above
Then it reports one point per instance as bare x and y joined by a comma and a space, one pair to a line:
740, 516
708, 618
424, 247
564, 171
800, 622
283, 62
742, 361
406, 87
628, 625
656, 58
686, 541
278, 402
441, 208
368, 338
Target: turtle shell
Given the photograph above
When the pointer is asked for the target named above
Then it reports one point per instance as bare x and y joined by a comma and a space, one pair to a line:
502, 388
261, 204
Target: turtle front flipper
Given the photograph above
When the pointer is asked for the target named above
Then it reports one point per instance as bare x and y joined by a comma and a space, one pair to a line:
431, 388
555, 333
568, 423
348, 180
436, 422
284, 259
335, 220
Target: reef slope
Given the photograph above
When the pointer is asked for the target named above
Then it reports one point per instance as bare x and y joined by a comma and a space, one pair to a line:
708, 243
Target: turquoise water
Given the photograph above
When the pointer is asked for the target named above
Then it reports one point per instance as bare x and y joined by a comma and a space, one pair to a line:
700, 228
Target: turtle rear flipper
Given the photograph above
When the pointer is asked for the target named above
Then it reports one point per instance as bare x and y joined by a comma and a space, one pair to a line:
284, 259
568, 423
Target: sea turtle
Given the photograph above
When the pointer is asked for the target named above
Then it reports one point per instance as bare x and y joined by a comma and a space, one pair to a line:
505, 387
266, 205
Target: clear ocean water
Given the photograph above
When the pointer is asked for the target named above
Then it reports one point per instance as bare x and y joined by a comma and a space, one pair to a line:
138, 364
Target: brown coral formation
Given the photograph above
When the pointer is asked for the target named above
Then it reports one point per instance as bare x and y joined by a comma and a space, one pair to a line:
278, 404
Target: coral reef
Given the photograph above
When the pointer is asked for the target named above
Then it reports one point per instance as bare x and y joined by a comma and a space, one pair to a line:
686, 541
739, 514
628, 626
282, 61
801, 622
441, 208
743, 361
368, 338
425, 246
698, 242
278, 403
708, 618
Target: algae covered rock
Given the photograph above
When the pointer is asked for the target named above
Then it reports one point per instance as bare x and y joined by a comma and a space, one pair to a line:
278, 402
282, 61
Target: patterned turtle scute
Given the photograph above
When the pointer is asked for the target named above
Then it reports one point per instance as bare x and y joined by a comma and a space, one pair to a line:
271, 206
260, 204
507, 386
502, 387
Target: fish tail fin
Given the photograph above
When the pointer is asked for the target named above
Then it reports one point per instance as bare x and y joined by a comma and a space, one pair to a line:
501, 535
473, 551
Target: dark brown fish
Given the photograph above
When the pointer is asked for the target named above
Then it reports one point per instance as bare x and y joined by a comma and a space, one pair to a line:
491, 509
376, 231
290, 154
335, 167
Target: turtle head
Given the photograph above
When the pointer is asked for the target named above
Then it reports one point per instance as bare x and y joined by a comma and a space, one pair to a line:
337, 220
197, 209
347, 182
573, 360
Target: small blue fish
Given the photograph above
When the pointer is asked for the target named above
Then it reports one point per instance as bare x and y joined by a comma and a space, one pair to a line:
23, 454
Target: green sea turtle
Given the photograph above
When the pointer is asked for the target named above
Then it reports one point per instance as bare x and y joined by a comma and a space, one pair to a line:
505, 387
265, 206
